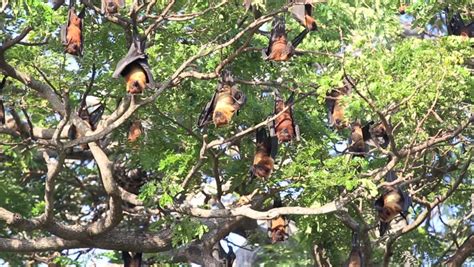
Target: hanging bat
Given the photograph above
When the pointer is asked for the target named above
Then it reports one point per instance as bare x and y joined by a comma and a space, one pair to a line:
379, 131
285, 127
456, 26
391, 203
135, 131
226, 101
359, 134
57, 4
279, 48
2, 108
335, 106
266, 150
71, 33
278, 228
111, 6
356, 258
134, 67
302, 11
91, 111
129, 261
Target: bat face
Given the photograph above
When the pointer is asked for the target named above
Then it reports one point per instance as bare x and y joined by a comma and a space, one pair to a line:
310, 23
224, 108
135, 78
284, 123
354, 259
262, 164
111, 6
278, 229
135, 131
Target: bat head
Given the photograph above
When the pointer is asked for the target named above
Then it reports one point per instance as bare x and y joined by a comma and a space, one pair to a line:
135, 78
73, 49
135, 131
111, 6
402, 9
278, 235
264, 167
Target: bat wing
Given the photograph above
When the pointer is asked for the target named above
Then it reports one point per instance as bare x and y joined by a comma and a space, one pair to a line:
391, 176
378, 205
272, 141
72, 132
95, 116
136, 53
330, 104
2, 108
299, 38
206, 113
298, 11
366, 131
406, 202
81, 27
57, 4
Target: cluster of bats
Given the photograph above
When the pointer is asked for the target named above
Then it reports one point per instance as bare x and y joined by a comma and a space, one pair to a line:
228, 100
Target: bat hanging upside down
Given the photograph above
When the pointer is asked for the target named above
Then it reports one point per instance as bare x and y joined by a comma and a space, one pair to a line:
265, 153
135, 69
226, 101
285, 126
71, 34
279, 48
335, 106
278, 228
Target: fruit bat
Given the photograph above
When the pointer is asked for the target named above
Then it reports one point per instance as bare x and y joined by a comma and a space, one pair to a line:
279, 48
402, 9
71, 33
2, 108
302, 11
392, 202
335, 106
226, 101
111, 6
285, 127
135, 131
359, 134
356, 258
134, 67
266, 150
379, 131
57, 4
129, 261
90, 110
278, 227
456, 26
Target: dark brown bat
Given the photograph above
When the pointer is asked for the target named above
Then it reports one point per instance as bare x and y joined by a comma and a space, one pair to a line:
285, 127
71, 33
359, 134
278, 229
457, 26
2, 108
225, 102
134, 67
279, 48
302, 11
335, 106
135, 131
112, 6
91, 118
266, 150
391, 203
135, 261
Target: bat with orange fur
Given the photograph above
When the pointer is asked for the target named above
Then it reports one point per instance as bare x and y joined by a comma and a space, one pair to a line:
266, 150
302, 11
335, 106
278, 228
135, 131
457, 26
279, 48
135, 69
112, 6
226, 101
72, 33
391, 203
285, 127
